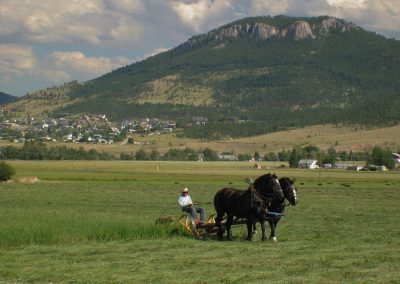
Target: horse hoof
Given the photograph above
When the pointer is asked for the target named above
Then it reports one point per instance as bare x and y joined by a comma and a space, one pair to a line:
273, 239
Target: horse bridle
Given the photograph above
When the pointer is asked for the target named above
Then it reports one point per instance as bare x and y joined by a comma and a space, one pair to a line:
288, 202
285, 202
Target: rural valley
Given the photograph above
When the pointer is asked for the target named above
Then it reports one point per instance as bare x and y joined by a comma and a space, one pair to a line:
91, 171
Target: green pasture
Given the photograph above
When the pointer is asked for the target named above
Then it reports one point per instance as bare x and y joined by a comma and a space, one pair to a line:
94, 222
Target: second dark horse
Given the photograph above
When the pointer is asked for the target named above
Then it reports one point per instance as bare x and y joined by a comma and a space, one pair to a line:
248, 204
276, 205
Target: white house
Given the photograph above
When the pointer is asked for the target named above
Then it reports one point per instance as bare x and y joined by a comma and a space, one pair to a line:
227, 157
308, 164
354, 168
396, 157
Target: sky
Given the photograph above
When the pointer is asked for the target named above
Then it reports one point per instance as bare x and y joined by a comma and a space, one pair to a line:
46, 43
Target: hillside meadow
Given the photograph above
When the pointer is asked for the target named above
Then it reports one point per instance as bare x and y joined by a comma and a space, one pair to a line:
94, 222
342, 138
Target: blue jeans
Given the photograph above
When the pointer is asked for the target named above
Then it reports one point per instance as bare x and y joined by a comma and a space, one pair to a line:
192, 211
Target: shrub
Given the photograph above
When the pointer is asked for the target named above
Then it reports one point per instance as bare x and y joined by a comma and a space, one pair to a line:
6, 171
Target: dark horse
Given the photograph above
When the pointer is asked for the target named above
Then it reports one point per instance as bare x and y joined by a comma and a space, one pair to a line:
249, 204
276, 206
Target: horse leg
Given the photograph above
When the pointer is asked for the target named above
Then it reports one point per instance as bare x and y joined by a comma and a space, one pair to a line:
220, 232
250, 223
254, 228
276, 221
229, 221
272, 237
262, 223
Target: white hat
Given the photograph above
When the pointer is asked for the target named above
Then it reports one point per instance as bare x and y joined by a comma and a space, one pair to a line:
185, 190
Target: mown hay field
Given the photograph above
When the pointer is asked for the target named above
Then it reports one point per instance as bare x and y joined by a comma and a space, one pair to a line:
94, 222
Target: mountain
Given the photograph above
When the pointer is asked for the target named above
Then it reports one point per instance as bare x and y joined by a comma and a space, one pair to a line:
6, 98
272, 72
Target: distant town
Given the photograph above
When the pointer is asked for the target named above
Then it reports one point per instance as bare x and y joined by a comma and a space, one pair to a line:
85, 129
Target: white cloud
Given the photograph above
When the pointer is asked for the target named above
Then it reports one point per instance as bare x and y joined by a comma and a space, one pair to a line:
386, 15
56, 21
16, 60
290, 7
76, 62
346, 3
130, 6
191, 13
120, 22
196, 14
380, 16
270, 7
125, 31
56, 67
38, 22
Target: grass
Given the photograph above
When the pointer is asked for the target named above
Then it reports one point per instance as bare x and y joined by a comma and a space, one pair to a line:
171, 90
71, 228
95, 222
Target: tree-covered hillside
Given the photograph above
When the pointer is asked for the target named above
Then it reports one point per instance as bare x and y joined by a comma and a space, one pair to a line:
6, 98
270, 72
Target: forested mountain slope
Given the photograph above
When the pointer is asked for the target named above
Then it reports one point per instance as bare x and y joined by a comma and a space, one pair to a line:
6, 98
273, 72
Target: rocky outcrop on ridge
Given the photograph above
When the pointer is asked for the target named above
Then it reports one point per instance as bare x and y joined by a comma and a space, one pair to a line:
298, 30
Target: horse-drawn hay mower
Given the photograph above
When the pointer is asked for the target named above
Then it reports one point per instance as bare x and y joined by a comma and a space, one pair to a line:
209, 229
196, 227
264, 200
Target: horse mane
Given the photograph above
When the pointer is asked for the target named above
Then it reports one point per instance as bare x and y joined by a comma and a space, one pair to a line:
284, 180
263, 180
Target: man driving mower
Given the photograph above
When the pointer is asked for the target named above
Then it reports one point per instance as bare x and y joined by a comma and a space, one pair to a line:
187, 205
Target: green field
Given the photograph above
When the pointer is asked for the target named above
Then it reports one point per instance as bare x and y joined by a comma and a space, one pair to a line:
93, 222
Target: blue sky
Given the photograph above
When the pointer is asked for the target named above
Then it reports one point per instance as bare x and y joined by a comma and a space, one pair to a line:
49, 42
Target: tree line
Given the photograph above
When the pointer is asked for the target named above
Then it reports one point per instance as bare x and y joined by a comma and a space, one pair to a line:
33, 150
39, 151
378, 156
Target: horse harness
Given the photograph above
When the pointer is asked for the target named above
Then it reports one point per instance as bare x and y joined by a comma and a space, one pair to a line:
255, 196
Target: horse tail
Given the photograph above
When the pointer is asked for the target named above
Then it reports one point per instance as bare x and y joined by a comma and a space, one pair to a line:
220, 209
218, 205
